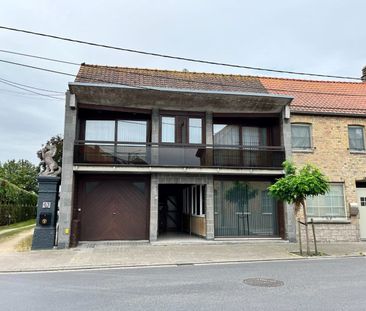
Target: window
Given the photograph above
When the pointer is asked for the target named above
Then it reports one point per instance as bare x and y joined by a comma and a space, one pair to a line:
254, 136
127, 130
229, 134
99, 130
225, 134
363, 201
197, 200
195, 130
329, 205
132, 131
301, 136
356, 138
168, 129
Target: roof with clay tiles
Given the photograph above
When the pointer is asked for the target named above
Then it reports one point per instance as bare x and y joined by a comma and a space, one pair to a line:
310, 96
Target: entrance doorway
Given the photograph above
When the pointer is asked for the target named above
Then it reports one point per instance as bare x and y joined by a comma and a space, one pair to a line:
181, 211
361, 195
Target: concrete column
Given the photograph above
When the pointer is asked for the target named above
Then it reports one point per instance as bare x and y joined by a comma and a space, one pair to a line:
154, 207
155, 127
209, 139
67, 177
290, 221
209, 134
210, 224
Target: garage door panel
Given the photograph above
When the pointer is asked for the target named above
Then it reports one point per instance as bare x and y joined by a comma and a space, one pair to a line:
113, 208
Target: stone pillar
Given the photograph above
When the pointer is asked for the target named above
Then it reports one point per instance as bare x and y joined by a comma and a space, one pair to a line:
290, 221
210, 222
45, 231
67, 183
154, 207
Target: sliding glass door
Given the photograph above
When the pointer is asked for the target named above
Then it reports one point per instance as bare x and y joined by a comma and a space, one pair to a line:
244, 208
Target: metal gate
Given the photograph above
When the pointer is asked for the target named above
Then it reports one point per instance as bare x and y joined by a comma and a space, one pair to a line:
244, 208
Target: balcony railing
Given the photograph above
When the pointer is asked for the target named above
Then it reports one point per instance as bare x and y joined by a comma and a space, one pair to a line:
187, 155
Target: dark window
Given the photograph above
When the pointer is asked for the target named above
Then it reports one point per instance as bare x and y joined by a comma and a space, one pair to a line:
356, 138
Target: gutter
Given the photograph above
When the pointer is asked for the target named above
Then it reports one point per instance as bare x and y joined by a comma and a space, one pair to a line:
330, 114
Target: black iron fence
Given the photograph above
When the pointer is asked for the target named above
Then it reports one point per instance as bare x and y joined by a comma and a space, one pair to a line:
188, 155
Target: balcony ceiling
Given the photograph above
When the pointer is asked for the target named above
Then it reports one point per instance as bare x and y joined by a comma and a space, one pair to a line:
177, 99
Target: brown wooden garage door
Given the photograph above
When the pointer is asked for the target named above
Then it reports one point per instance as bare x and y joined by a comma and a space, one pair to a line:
113, 208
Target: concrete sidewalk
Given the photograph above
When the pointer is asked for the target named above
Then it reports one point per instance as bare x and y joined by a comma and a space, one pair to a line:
145, 254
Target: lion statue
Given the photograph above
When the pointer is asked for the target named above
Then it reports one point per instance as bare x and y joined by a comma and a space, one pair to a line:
48, 165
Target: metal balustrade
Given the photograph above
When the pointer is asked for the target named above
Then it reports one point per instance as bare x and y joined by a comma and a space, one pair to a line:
185, 155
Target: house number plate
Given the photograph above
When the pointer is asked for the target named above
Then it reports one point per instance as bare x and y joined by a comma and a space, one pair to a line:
46, 204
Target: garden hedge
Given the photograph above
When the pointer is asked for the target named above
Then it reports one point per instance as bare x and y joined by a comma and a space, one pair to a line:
16, 204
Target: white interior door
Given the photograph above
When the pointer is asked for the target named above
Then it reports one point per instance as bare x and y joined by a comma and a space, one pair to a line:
361, 194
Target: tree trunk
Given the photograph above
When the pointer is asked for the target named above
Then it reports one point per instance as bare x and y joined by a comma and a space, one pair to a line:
306, 228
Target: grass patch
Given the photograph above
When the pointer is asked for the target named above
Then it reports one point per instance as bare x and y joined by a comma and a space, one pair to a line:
24, 245
18, 225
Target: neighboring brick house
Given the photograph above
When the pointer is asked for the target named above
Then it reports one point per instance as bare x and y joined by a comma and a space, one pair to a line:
328, 130
148, 153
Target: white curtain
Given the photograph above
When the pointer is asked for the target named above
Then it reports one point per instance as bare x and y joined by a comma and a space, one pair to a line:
99, 130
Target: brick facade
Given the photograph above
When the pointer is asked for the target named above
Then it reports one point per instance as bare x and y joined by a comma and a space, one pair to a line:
331, 154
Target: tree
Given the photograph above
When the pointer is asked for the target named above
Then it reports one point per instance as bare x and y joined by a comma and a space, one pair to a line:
21, 173
296, 186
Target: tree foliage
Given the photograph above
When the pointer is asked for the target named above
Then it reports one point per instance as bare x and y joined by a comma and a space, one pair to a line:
21, 173
16, 204
12, 194
297, 185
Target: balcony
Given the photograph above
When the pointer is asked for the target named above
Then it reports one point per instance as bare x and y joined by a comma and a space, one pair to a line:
184, 155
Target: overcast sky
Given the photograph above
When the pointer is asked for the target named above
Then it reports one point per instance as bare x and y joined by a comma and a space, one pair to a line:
323, 36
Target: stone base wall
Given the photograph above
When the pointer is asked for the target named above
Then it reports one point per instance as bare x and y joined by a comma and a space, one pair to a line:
332, 232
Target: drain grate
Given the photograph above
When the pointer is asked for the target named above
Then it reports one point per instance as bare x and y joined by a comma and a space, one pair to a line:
261, 282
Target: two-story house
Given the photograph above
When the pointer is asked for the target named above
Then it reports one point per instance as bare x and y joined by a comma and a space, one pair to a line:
151, 153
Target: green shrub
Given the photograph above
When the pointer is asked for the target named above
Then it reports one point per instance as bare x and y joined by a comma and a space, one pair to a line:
16, 204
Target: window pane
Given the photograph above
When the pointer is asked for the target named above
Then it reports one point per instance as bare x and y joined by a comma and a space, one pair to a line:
356, 139
225, 134
99, 130
132, 131
254, 136
195, 131
329, 205
300, 136
168, 129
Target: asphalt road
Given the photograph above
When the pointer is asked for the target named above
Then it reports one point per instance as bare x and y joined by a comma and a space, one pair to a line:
325, 284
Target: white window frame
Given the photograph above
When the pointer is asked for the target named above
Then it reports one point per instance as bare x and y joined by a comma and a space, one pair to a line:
308, 148
332, 218
197, 209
